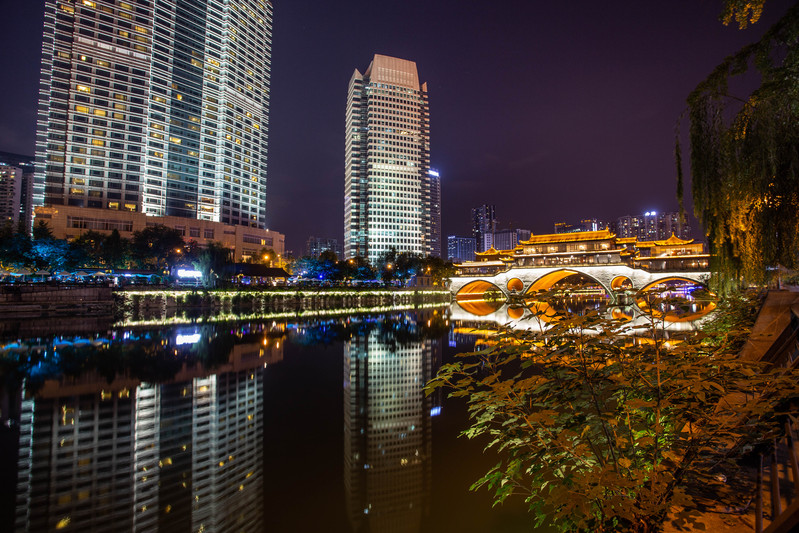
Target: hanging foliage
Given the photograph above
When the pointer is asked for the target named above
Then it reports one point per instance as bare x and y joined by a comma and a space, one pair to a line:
744, 155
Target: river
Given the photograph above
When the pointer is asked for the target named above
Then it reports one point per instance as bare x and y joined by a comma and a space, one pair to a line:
278, 425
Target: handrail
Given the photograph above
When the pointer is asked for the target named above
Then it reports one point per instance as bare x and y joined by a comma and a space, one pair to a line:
783, 463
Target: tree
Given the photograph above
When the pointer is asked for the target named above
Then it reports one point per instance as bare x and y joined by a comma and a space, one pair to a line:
744, 152
603, 432
41, 230
116, 250
211, 261
157, 246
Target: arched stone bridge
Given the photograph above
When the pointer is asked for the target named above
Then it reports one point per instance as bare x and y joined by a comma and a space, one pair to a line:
521, 280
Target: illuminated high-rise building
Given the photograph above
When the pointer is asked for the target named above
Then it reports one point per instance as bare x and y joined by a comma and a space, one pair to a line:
484, 223
435, 213
387, 190
156, 106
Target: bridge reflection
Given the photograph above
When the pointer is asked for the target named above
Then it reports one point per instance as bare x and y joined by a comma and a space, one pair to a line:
678, 311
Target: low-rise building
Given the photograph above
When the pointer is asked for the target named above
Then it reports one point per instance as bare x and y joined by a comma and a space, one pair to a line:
68, 222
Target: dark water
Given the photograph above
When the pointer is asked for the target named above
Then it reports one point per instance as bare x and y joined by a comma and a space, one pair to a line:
277, 425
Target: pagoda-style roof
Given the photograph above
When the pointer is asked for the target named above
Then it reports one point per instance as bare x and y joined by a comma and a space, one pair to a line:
671, 241
490, 251
580, 236
626, 240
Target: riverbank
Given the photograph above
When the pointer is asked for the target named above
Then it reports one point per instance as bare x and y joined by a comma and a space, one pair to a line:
165, 304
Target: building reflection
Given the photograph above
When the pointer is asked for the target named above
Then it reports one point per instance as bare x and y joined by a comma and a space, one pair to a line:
126, 454
387, 417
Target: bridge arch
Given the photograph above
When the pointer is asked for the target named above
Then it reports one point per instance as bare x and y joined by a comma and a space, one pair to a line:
479, 307
657, 282
620, 283
515, 284
476, 290
687, 312
515, 313
546, 281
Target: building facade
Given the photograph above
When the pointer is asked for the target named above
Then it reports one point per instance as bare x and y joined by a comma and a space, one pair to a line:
586, 224
387, 190
10, 191
507, 239
651, 226
28, 165
315, 246
484, 224
157, 107
245, 243
435, 213
460, 249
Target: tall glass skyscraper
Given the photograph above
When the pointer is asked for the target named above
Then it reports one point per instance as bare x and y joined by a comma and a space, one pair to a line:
156, 106
387, 190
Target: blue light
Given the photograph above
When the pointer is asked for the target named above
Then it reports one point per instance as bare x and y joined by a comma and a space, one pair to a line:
435, 411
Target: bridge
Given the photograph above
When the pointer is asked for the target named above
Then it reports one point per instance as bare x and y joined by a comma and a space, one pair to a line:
615, 279
621, 266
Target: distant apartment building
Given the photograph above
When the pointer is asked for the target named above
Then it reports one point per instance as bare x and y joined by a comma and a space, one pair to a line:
651, 226
314, 246
28, 166
484, 224
460, 249
586, 224
387, 183
10, 190
507, 239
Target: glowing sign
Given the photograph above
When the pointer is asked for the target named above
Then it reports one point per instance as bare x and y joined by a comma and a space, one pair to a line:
188, 273
433, 173
187, 339
435, 411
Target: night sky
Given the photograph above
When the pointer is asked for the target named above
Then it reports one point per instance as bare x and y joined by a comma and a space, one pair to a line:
552, 111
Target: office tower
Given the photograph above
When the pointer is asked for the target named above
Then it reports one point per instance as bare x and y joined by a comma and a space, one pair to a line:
315, 246
157, 107
387, 149
484, 223
435, 213
10, 190
460, 249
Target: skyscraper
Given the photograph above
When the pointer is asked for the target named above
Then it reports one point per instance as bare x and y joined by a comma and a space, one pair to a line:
387, 191
156, 106
435, 213
484, 224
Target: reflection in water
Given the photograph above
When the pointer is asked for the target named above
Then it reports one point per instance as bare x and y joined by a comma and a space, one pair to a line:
387, 436
115, 453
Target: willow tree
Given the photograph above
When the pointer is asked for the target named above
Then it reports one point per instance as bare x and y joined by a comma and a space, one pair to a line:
744, 152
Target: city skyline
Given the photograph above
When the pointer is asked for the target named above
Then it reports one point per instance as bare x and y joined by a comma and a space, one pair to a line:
572, 103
